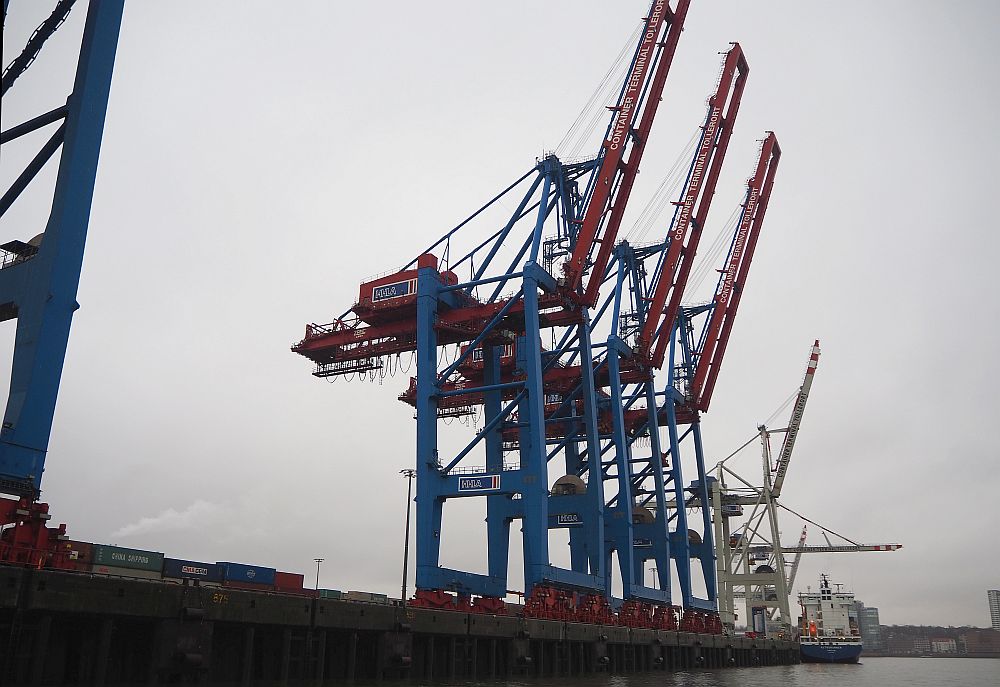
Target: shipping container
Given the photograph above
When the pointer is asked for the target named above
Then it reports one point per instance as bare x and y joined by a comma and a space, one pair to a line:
136, 559
331, 594
288, 582
367, 597
192, 570
134, 573
240, 572
73, 555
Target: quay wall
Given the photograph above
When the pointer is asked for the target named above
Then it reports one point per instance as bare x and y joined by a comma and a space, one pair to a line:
59, 628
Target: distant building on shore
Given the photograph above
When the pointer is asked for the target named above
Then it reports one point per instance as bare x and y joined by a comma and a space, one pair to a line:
943, 645
923, 640
981, 643
993, 595
871, 631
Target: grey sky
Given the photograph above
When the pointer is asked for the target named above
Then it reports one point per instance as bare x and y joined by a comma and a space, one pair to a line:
259, 163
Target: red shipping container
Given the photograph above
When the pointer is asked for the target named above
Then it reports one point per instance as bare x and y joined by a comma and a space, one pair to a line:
288, 582
251, 586
73, 555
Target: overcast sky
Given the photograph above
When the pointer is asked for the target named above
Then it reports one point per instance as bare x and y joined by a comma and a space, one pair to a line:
258, 164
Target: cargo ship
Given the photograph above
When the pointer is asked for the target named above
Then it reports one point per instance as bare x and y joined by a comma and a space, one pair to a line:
829, 626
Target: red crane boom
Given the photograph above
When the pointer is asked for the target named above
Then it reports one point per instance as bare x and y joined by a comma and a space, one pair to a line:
727, 298
616, 175
723, 108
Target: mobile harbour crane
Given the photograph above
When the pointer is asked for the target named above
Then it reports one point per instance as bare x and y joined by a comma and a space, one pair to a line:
741, 549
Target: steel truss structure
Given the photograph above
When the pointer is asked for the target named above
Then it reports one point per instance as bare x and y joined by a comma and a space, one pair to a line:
561, 331
39, 277
750, 557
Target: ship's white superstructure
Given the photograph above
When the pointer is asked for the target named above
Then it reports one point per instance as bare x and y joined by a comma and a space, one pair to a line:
829, 625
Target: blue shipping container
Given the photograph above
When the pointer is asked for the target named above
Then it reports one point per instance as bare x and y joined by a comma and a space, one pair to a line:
193, 570
240, 572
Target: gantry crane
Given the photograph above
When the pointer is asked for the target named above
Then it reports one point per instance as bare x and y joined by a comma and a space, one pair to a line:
561, 369
39, 277
423, 307
764, 503
676, 410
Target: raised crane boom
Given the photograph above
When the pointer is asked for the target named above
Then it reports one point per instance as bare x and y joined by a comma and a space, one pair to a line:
785, 455
798, 558
731, 284
616, 173
693, 207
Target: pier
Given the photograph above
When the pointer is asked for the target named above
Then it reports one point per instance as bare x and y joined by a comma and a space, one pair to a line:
59, 628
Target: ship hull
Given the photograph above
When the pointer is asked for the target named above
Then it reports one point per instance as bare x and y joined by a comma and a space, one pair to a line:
830, 653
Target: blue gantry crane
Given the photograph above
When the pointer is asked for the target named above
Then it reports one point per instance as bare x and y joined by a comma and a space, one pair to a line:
39, 276
559, 334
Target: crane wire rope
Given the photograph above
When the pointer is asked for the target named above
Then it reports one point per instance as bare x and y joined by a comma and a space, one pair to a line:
733, 454
661, 198
710, 258
586, 121
756, 435
782, 407
813, 522
703, 268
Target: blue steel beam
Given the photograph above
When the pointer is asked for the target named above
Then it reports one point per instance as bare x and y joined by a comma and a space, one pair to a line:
44, 295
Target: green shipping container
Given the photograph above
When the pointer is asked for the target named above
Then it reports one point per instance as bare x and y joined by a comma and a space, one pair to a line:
135, 559
331, 594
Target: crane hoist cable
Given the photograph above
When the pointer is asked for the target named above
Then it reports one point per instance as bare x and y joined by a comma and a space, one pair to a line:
824, 530
707, 263
733, 454
591, 112
667, 189
756, 435
781, 408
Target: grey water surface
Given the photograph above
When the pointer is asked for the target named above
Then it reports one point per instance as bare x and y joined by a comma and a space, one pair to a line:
870, 672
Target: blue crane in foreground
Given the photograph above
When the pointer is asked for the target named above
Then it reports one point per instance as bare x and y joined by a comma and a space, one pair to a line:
39, 277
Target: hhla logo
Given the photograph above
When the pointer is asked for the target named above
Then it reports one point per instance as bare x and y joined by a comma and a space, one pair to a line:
481, 483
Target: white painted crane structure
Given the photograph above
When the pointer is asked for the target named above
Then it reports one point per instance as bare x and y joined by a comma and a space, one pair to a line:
751, 563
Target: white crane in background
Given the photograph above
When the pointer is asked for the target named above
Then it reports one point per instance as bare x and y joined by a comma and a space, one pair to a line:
751, 562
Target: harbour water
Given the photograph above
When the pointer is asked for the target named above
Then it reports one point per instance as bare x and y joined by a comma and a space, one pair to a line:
870, 672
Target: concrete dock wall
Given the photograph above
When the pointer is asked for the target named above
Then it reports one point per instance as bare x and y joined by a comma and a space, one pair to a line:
64, 628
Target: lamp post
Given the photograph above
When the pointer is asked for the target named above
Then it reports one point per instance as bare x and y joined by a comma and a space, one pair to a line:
409, 474
318, 561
